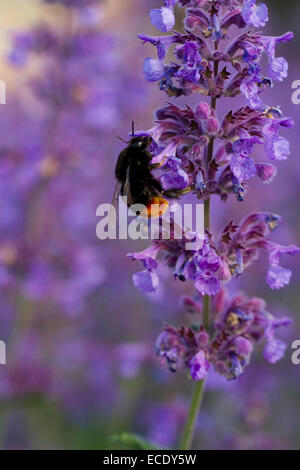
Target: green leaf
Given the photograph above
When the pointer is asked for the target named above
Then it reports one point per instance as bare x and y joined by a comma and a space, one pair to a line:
134, 441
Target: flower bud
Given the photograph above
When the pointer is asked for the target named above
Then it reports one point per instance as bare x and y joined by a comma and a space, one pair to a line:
212, 125
203, 110
266, 172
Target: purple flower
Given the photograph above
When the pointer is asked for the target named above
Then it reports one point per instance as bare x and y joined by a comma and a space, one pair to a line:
242, 167
277, 148
278, 277
176, 179
276, 251
243, 347
239, 324
278, 66
189, 54
274, 350
250, 90
255, 15
211, 126
153, 70
272, 127
171, 3
278, 69
162, 19
146, 281
199, 366
207, 284
239, 246
169, 348
265, 171
203, 110
146, 255
270, 42
162, 43
199, 183
166, 153
203, 266
182, 148
174, 138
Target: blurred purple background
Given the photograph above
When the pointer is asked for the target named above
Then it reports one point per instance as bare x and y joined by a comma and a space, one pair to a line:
80, 361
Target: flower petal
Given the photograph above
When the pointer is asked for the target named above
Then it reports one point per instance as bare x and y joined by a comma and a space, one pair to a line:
153, 69
163, 19
278, 277
146, 281
242, 167
274, 350
199, 366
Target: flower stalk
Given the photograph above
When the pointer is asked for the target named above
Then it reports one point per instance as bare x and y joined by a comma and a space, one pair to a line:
195, 406
196, 402
209, 156
206, 298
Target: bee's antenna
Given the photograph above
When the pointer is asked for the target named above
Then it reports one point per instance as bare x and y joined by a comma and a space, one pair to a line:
132, 128
122, 140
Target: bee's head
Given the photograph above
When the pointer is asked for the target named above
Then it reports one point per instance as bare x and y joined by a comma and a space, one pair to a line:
141, 142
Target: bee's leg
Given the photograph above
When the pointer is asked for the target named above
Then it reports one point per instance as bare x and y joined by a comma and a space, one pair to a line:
176, 193
186, 190
156, 184
155, 166
172, 193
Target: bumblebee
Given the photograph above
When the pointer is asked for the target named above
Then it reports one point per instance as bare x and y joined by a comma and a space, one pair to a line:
135, 181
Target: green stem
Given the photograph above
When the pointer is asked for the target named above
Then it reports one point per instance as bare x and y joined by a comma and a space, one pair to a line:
195, 406
189, 429
206, 298
207, 214
192, 416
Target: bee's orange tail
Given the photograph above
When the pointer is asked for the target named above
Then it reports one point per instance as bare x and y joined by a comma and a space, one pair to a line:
156, 207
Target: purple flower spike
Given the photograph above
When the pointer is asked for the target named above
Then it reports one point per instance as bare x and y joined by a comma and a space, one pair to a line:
163, 19
218, 54
255, 15
199, 366
242, 323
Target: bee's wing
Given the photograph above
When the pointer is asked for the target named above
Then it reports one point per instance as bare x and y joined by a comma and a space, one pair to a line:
127, 191
115, 201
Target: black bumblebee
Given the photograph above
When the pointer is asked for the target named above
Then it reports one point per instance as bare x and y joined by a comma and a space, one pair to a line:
135, 181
